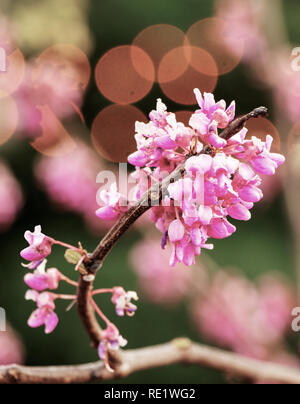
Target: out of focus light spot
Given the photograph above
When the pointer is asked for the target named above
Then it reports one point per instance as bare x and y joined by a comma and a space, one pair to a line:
183, 116
11, 79
213, 34
8, 118
261, 127
113, 131
125, 74
69, 61
158, 40
55, 140
172, 65
204, 77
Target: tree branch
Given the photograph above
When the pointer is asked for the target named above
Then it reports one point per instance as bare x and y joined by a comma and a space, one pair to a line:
180, 350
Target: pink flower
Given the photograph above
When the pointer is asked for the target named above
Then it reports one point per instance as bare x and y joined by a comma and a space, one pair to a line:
39, 247
44, 315
211, 116
115, 204
111, 340
122, 301
70, 182
41, 280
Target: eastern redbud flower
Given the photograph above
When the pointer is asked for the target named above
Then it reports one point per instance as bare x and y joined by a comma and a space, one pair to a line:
215, 187
115, 204
111, 340
41, 280
39, 247
44, 314
122, 301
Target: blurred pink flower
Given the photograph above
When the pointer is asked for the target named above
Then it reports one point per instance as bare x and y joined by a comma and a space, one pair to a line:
159, 282
249, 319
45, 85
11, 197
286, 84
70, 181
11, 348
242, 18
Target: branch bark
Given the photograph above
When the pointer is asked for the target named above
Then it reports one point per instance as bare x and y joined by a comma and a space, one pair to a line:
180, 350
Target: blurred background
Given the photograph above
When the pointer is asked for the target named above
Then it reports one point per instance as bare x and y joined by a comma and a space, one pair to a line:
74, 77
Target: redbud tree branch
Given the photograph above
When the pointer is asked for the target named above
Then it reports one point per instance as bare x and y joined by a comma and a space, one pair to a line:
180, 350
152, 197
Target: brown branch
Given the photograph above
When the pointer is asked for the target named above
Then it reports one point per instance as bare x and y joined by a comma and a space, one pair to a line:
239, 123
153, 196
86, 311
180, 350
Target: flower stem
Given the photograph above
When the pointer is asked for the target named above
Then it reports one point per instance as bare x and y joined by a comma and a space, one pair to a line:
98, 291
99, 312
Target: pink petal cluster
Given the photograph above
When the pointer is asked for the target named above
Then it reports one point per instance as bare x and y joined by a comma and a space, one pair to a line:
224, 183
39, 247
157, 280
111, 340
11, 348
41, 279
122, 300
115, 204
249, 319
44, 314
11, 197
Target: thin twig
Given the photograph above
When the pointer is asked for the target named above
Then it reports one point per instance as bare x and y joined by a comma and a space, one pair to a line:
177, 351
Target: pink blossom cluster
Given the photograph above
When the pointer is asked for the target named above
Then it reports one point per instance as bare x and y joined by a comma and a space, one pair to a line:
216, 186
43, 283
247, 318
11, 197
